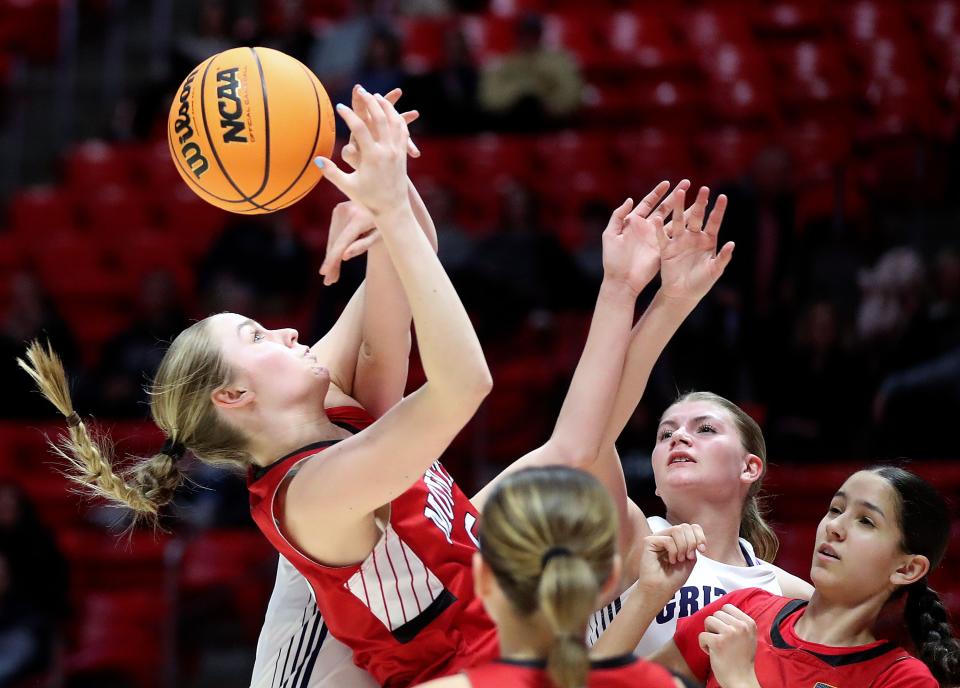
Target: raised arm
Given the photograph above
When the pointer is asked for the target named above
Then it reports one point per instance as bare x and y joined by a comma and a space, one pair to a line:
630, 260
369, 347
353, 479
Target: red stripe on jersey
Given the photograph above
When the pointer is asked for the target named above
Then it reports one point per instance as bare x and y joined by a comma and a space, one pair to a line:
413, 588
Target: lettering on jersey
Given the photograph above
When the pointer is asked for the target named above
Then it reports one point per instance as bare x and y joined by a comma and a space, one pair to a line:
824, 685
183, 126
229, 105
689, 600
439, 507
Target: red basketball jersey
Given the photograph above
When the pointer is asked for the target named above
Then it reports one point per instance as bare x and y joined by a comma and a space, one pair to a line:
784, 659
408, 611
618, 672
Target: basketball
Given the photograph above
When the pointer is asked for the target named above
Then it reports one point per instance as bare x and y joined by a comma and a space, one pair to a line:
245, 126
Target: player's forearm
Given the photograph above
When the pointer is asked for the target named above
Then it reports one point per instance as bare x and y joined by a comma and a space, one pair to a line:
649, 338
583, 417
449, 349
624, 634
384, 353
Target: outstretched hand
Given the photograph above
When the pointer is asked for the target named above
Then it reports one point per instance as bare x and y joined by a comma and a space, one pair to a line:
350, 153
352, 231
689, 262
379, 182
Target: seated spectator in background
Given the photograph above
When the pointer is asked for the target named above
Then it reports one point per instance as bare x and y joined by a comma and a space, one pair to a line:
819, 394
422, 8
382, 67
131, 358
338, 54
36, 567
522, 267
447, 96
534, 87
25, 639
212, 35
258, 263
29, 314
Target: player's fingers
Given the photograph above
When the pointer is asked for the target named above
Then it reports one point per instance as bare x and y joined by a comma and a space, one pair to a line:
361, 132
691, 540
704, 640
698, 210
361, 245
649, 202
700, 536
335, 175
715, 624
620, 214
716, 216
394, 95
663, 544
375, 114
664, 208
723, 258
412, 149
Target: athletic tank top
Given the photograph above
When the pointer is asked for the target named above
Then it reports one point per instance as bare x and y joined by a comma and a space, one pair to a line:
708, 580
408, 611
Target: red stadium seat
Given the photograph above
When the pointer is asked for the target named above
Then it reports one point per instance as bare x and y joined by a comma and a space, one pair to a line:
648, 156
642, 40
489, 36
513, 8
559, 155
113, 213
125, 633
41, 209
575, 32
192, 219
92, 165
813, 78
790, 19
707, 27
728, 153
817, 149
423, 39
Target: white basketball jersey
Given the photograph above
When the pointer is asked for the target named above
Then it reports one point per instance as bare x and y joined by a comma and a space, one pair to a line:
708, 580
294, 649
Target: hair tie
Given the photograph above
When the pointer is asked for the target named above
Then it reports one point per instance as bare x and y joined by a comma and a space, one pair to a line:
175, 450
558, 551
73, 420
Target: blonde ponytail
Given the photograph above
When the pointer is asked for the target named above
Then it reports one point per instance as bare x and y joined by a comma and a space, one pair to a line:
144, 489
567, 596
549, 535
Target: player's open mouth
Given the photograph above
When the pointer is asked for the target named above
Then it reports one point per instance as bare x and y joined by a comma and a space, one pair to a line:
679, 457
828, 551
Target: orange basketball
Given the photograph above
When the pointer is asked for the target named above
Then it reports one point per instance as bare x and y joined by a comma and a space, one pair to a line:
245, 127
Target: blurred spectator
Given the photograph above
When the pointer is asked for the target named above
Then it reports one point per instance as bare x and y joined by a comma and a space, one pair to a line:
594, 216
454, 244
818, 400
132, 357
290, 33
25, 639
339, 52
423, 8
35, 566
382, 67
534, 86
256, 265
212, 35
447, 96
522, 267
30, 314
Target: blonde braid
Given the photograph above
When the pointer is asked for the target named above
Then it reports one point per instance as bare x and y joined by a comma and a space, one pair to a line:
89, 461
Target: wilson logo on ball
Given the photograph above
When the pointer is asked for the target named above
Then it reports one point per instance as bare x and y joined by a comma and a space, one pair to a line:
190, 151
230, 106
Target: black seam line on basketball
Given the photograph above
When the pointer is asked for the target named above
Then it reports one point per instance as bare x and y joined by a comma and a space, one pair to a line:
193, 185
196, 188
266, 126
213, 149
316, 138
